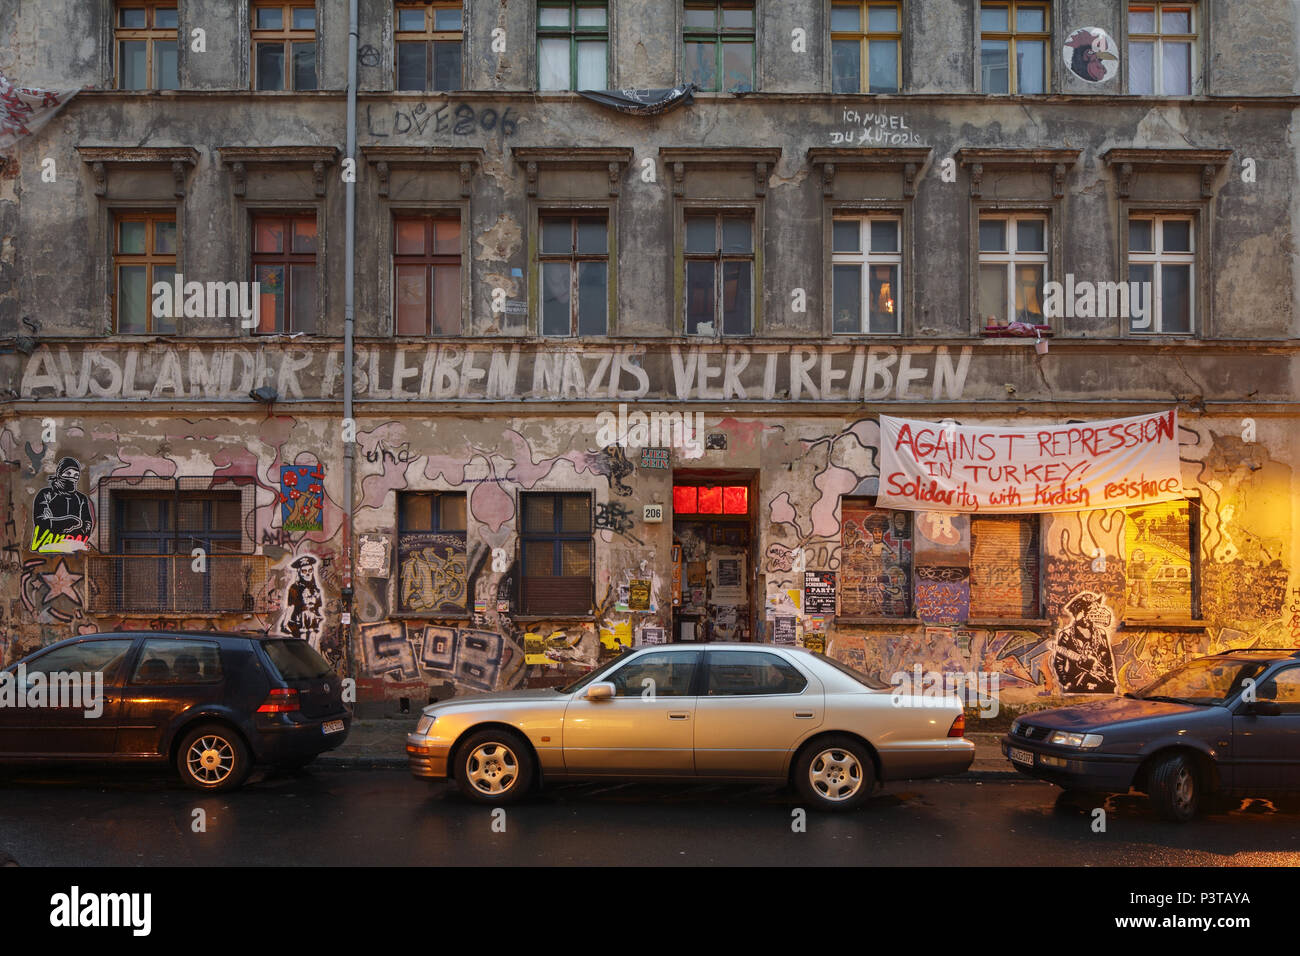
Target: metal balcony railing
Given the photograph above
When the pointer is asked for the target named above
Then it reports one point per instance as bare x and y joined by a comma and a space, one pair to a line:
168, 583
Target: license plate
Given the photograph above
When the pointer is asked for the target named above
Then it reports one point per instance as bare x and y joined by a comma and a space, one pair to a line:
332, 726
1021, 756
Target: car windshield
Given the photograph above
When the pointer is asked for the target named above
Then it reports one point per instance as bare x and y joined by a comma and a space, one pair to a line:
296, 660
861, 678
598, 673
1208, 681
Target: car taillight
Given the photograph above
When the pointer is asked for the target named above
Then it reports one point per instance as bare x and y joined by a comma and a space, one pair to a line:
282, 700
958, 728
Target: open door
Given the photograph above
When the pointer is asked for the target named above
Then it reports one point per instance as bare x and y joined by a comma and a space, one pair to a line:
714, 532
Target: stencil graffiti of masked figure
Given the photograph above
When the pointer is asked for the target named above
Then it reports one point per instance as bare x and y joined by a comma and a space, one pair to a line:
304, 604
62, 515
1083, 661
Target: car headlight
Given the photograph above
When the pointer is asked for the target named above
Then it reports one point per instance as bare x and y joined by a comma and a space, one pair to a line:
425, 723
1065, 739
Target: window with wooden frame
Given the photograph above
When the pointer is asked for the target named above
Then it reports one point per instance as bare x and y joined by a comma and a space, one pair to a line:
572, 45
145, 37
427, 274
1015, 44
284, 46
431, 552
284, 263
866, 274
866, 47
1004, 567
144, 252
1162, 560
1162, 261
720, 280
1162, 39
428, 38
558, 553
1013, 268
573, 258
718, 46
875, 560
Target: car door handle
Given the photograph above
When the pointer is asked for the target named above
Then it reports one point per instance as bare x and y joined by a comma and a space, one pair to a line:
803, 713
679, 715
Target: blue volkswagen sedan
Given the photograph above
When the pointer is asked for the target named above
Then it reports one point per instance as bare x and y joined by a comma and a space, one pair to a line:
1222, 725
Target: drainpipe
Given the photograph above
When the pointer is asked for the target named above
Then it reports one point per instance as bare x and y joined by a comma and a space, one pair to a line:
349, 256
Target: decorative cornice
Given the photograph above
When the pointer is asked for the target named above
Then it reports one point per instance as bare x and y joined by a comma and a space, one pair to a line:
907, 160
465, 160
240, 158
101, 159
613, 159
761, 158
979, 159
1207, 162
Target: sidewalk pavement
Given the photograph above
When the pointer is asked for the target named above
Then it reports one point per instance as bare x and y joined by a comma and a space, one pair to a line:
381, 745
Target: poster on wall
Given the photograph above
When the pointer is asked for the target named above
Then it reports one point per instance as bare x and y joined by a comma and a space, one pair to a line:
373, 555
728, 579
819, 592
1082, 466
677, 575
302, 497
638, 595
62, 517
783, 630
1089, 54
1083, 660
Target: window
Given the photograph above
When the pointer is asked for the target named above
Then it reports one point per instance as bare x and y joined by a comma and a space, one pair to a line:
574, 262
710, 500
672, 673
144, 252
572, 46
426, 275
146, 46
751, 674
1012, 269
284, 46
1004, 566
88, 657
1161, 49
428, 38
558, 553
720, 274
1161, 254
719, 46
875, 560
865, 45
1161, 572
1014, 42
1284, 689
431, 549
284, 262
178, 662
867, 263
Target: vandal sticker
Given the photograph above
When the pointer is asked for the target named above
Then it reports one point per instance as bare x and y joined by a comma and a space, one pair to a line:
62, 517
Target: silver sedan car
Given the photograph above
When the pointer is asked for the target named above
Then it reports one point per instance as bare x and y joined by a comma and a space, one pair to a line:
708, 711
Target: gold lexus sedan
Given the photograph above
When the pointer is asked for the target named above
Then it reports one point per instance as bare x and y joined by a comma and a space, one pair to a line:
708, 711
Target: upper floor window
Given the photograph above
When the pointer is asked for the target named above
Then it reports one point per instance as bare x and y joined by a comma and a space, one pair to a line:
144, 253
1014, 47
428, 38
866, 274
574, 261
720, 273
1162, 49
1162, 259
1012, 269
572, 45
146, 46
426, 275
284, 262
865, 46
719, 45
284, 46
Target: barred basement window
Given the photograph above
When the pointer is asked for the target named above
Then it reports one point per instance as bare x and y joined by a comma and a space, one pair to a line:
431, 548
875, 560
558, 553
1004, 566
1161, 565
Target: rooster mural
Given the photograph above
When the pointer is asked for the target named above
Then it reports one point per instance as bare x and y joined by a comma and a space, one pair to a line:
1089, 53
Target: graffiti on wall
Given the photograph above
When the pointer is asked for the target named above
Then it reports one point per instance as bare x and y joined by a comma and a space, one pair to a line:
302, 497
432, 574
303, 616
62, 516
1083, 660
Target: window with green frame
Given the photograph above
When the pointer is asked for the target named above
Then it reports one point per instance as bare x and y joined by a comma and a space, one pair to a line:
718, 45
572, 45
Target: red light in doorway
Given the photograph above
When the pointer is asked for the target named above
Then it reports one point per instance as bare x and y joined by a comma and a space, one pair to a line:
735, 500
711, 500
684, 499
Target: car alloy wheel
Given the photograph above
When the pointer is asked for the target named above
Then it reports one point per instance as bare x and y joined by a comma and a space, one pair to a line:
213, 757
494, 766
492, 769
836, 774
210, 759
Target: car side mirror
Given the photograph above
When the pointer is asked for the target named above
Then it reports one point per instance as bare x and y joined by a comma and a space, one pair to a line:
1264, 708
602, 690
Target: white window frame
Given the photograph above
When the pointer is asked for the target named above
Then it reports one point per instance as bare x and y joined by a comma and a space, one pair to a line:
865, 258
1011, 258
1159, 39
1158, 258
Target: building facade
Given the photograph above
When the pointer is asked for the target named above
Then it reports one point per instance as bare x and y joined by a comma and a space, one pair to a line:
620, 362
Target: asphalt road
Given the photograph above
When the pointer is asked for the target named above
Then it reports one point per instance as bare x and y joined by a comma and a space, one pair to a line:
70, 817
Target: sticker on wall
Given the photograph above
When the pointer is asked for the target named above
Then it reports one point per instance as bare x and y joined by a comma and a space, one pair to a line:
302, 497
1090, 55
1084, 662
304, 605
62, 517
372, 555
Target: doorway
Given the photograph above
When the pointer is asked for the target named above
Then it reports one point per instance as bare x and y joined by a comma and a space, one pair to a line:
714, 530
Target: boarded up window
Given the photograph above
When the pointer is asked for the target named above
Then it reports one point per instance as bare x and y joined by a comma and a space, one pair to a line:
875, 561
1158, 546
431, 552
1004, 566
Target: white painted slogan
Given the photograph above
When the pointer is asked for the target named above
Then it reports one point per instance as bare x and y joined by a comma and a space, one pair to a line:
943, 466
